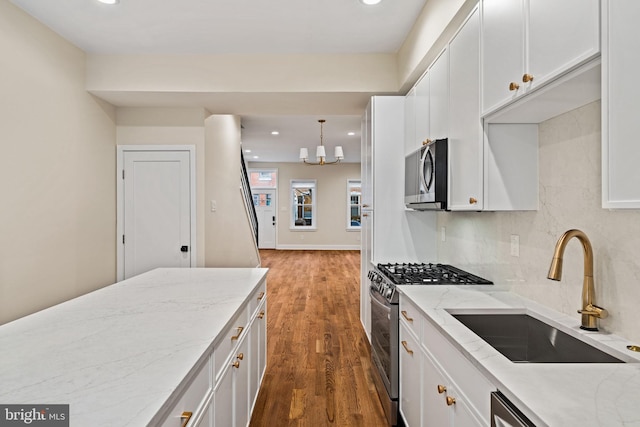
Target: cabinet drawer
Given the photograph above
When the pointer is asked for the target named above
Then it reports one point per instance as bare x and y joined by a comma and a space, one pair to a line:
411, 317
230, 339
468, 379
192, 397
257, 297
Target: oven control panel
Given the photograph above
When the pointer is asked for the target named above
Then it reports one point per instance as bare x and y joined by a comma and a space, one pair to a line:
381, 285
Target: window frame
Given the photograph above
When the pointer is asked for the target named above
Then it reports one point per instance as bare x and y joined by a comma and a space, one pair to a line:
313, 185
350, 184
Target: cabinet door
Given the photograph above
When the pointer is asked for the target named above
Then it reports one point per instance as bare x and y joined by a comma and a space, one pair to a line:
434, 398
223, 399
503, 50
410, 121
422, 111
241, 386
439, 97
465, 133
461, 415
620, 106
410, 356
561, 34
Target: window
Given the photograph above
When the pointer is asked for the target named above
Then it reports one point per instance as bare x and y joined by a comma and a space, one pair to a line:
259, 178
354, 207
303, 204
261, 199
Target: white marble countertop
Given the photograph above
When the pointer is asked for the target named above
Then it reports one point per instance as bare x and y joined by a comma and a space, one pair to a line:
116, 355
593, 394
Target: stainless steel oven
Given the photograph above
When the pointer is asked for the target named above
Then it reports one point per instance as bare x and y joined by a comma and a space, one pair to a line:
384, 321
384, 353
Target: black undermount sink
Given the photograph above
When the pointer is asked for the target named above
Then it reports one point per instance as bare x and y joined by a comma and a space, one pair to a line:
523, 338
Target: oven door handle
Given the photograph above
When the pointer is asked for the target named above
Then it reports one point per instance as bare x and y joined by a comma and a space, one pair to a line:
375, 298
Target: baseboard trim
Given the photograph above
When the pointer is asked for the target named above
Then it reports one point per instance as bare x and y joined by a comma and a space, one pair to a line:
319, 247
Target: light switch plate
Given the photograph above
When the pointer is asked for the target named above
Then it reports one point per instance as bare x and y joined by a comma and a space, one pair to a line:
515, 245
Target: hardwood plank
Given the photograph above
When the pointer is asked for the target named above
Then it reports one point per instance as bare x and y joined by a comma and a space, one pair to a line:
318, 357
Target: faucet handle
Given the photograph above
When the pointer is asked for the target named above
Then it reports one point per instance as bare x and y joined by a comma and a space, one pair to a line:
594, 310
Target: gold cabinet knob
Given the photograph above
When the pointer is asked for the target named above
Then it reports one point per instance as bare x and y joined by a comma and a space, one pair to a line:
473, 200
236, 364
526, 78
426, 142
451, 401
514, 86
441, 389
261, 315
240, 356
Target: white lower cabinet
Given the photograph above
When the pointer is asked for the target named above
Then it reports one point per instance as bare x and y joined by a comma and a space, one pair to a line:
438, 386
224, 388
410, 361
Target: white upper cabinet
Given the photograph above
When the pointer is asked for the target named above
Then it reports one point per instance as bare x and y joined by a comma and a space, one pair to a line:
439, 97
620, 106
503, 50
422, 112
465, 129
527, 43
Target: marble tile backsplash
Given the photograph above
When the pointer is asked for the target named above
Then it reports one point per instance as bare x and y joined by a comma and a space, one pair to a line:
570, 197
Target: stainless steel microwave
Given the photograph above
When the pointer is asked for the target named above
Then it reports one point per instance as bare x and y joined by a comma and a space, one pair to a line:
425, 177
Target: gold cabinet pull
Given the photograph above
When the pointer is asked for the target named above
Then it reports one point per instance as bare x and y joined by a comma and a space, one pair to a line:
186, 416
236, 364
526, 78
261, 315
451, 401
427, 141
365, 206
235, 337
441, 389
473, 200
260, 296
406, 347
241, 356
514, 86
406, 316
364, 214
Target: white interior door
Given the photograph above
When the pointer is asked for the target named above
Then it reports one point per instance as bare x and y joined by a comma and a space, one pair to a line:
265, 204
156, 211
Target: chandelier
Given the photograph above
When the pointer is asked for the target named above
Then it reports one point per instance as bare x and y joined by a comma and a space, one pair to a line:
320, 153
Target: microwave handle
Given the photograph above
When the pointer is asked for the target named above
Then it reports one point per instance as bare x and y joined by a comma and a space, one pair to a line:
426, 157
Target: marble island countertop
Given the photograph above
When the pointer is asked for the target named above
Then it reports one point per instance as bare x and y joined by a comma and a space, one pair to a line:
551, 394
118, 354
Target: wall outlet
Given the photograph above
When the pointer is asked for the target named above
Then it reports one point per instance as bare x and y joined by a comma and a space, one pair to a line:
515, 245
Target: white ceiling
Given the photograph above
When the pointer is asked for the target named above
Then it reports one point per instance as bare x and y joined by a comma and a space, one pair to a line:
242, 26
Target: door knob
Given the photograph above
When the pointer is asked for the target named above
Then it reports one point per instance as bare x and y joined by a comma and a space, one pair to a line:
184, 249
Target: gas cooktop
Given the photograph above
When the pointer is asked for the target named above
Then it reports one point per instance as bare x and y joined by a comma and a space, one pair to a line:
429, 274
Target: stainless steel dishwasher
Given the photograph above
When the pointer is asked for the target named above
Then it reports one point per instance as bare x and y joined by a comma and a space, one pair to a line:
505, 414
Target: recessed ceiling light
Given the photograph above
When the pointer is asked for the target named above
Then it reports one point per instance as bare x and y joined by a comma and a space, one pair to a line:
109, 1
370, 2
247, 151
256, 157
275, 132
351, 133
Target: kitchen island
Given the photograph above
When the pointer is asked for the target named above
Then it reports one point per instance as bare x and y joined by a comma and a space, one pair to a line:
126, 354
550, 394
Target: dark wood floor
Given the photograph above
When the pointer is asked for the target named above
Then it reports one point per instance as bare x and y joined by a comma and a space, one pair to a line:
318, 363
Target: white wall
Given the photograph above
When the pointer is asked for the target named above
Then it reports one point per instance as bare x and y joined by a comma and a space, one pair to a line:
57, 181
229, 237
331, 182
170, 126
570, 197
